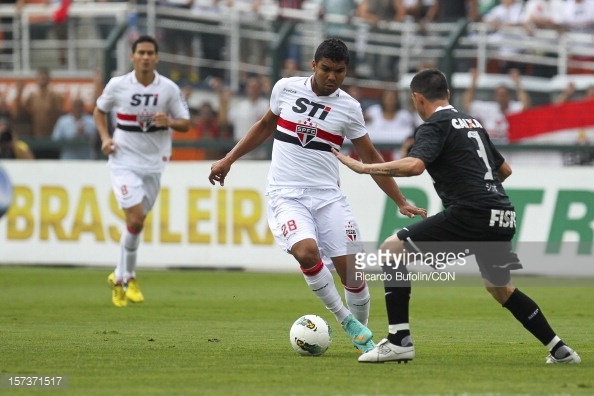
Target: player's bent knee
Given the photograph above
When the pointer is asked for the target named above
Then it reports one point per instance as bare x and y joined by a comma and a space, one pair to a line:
306, 252
500, 293
393, 244
135, 225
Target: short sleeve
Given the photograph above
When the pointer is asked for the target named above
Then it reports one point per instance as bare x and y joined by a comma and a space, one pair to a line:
275, 96
356, 123
428, 143
179, 106
106, 101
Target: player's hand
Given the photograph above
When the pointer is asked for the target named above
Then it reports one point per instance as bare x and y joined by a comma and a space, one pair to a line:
218, 172
411, 211
352, 163
108, 146
161, 120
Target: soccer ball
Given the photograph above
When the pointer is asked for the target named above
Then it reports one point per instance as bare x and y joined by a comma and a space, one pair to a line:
310, 335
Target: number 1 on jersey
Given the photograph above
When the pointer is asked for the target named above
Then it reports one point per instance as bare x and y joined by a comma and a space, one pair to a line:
482, 153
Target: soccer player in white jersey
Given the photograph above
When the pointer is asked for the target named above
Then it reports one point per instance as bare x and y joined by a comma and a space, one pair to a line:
307, 213
147, 106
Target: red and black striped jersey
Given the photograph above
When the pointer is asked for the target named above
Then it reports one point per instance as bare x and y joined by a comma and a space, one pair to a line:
308, 127
140, 144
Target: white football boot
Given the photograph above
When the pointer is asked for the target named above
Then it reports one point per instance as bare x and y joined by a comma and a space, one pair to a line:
385, 351
571, 358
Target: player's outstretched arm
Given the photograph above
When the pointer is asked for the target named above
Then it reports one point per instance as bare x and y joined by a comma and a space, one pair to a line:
403, 167
375, 167
258, 134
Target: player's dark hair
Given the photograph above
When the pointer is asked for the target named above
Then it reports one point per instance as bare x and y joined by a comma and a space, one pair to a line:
333, 49
431, 83
145, 39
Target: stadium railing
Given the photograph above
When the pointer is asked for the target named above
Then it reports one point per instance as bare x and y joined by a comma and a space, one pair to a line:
35, 44
405, 42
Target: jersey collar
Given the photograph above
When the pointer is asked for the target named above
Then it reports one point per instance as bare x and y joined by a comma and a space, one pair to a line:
308, 81
439, 108
155, 81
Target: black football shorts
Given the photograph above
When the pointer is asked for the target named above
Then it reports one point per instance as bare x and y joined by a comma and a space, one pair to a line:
484, 233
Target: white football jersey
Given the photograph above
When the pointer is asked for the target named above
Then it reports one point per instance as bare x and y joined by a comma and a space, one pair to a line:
139, 144
308, 127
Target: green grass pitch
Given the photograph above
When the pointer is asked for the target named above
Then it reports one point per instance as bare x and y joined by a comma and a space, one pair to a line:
226, 333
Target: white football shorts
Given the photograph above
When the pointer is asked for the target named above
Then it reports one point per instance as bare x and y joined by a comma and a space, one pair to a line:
131, 188
295, 214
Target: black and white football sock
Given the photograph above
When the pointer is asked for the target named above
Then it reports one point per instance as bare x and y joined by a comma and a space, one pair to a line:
527, 312
558, 348
397, 296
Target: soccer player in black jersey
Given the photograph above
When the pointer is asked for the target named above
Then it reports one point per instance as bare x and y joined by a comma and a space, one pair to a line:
467, 171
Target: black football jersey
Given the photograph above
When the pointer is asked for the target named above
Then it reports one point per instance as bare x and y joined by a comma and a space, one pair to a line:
461, 160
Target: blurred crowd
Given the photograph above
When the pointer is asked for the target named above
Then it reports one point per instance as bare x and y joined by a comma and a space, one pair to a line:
41, 114
560, 15
220, 116
188, 45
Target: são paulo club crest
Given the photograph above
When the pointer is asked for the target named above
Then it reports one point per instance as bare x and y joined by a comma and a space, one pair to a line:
306, 132
145, 120
351, 231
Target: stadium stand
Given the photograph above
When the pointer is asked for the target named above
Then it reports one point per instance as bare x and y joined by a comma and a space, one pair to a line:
551, 57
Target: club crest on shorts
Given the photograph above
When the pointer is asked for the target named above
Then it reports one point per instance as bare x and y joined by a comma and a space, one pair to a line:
351, 231
306, 133
145, 121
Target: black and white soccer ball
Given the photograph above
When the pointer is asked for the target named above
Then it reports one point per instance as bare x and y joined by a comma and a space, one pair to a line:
310, 335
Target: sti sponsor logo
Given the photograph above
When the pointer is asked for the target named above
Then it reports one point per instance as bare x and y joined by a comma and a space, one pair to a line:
465, 123
312, 109
144, 99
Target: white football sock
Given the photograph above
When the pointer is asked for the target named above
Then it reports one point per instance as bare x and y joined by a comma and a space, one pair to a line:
128, 247
320, 281
393, 329
359, 302
553, 343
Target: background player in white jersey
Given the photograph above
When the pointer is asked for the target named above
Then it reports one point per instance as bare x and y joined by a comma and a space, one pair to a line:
147, 107
307, 212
